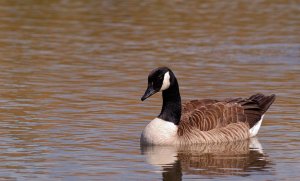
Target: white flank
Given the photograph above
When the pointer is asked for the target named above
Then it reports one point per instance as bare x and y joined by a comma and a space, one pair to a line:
254, 130
166, 82
159, 132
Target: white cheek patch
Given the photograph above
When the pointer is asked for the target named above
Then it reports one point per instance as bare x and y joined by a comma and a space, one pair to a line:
166, 82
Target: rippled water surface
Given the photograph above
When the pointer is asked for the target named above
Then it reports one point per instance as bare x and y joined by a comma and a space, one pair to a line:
72, 74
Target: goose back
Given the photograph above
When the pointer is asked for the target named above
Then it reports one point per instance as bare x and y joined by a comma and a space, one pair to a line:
218, 121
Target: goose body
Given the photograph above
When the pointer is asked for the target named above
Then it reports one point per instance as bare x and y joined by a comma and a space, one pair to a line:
200, 121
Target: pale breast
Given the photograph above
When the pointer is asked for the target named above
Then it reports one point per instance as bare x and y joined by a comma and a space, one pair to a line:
159, 132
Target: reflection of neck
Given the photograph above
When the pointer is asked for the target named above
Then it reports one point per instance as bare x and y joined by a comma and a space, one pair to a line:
171, 108
165, 157
173, 173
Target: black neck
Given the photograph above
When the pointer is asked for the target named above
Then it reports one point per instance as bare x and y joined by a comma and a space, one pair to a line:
171, 108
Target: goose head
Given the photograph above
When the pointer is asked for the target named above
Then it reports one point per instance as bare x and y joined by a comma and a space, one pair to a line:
159, 79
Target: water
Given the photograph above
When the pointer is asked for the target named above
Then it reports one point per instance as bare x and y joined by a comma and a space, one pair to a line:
72, 74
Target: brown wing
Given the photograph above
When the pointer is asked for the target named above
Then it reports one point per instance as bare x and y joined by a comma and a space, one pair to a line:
205, 115
190, 106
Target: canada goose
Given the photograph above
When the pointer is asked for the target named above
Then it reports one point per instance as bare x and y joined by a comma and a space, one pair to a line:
200, 121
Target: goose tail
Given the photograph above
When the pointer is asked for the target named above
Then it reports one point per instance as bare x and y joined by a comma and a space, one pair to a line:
264, 102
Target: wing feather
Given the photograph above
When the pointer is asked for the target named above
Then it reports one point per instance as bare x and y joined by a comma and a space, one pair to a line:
205, 115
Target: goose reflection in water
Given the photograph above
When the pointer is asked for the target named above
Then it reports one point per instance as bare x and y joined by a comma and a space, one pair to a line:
208, 160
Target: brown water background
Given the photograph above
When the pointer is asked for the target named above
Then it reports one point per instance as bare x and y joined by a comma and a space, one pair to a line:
72, 74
